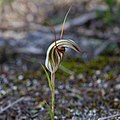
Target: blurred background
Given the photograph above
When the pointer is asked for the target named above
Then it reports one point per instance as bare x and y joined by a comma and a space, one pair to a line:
25, 34
25, 26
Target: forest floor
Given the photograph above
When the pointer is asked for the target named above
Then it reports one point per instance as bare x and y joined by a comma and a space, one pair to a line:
87, 85
86, 90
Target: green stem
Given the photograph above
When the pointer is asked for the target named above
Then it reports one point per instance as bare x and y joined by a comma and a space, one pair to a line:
53, 92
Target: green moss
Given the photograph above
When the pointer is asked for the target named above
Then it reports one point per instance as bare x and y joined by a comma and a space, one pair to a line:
5, 87
61, 75
99, 63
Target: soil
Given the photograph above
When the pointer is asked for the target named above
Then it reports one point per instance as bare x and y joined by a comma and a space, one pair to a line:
87, 86
90, 91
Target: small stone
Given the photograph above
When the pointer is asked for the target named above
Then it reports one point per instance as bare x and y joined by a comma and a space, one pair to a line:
56, 118
90, 113
28, 83
77, 113
14, 87
74, 118
6, 81
98, 72
35, 82
117, 87
90, 84
20, 77
116, 30
60, 86
72, 77
42, 108
116, 99
80, 76
94, 111
99, 81
63, 117
3, 92
105, 85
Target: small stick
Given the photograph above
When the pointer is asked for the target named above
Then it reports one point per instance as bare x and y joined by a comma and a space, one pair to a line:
10, 105
106, 118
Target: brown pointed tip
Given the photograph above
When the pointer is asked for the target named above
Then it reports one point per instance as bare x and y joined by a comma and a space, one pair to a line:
78, 49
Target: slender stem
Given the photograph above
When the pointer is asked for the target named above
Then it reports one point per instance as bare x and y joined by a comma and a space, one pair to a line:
53, 92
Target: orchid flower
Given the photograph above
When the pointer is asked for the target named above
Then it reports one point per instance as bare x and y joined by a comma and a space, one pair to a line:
56, 52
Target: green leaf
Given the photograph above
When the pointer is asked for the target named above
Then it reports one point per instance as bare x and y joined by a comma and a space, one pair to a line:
48, 78
41, 104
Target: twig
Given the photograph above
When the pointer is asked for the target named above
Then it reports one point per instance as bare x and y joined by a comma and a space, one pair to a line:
10, 105
106, 118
